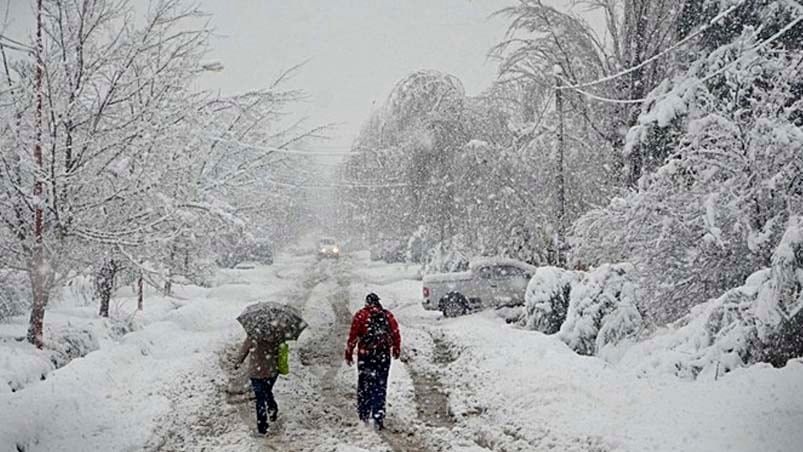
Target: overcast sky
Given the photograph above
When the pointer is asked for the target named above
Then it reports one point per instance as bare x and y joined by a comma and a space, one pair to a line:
356, 50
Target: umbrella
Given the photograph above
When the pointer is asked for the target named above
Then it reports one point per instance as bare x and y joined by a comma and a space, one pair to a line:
272, 321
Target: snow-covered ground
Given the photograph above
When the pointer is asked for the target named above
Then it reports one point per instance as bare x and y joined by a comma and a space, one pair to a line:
466, 384
511, 389
111, 399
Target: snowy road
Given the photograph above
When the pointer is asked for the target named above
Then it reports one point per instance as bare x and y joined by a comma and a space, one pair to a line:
470, 384
475, 384
212, 409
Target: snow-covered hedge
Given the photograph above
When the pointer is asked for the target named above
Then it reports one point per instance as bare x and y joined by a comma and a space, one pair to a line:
588, 310
21, 363
600, 313
68, 343
759, 321
602, 309
15, 293
547, 298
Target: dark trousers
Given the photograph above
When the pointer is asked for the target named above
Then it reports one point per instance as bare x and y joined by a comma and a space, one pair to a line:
265, 403
372, 386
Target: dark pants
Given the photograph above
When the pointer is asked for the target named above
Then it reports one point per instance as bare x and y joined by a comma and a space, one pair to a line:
263, 389
372, 386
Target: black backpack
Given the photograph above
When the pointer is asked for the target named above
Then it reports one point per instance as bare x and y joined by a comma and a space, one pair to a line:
377, 335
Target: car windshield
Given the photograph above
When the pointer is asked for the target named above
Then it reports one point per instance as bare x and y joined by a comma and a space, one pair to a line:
327, 242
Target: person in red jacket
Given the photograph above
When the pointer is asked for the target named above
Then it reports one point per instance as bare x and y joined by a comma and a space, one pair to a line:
375, 333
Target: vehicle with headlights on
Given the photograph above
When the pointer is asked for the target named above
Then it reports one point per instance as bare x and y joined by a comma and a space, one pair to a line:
328, 248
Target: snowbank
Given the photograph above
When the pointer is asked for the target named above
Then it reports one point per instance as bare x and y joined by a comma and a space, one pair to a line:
111, 398
72, 330
539, 395
513, 389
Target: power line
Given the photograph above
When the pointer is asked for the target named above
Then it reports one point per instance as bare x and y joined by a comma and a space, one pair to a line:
677, 45
733, 63
334, 186
15, 42
280, 150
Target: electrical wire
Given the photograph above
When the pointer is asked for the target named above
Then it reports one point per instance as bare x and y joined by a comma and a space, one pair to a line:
334, 186
708, 77
280, 150
677, 45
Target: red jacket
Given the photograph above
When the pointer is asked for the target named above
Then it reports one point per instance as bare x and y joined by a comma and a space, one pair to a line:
359, 327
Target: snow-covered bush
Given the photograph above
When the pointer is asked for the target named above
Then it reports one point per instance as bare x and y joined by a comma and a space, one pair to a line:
446, 258
603, 309
547, 298
758, 321
418, 245
714, 210
67, 343
79, 291
21, 364
15, 293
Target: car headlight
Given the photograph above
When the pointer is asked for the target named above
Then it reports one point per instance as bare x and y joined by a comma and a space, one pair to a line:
335, 250
323, 250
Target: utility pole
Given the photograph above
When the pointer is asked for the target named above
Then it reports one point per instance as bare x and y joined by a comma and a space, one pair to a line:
39, 270
561, 181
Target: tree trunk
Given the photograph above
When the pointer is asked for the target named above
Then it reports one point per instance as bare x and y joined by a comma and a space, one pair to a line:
39, 270
40, 292
140, 294
105, 285
168, 289
561, 181
639, 85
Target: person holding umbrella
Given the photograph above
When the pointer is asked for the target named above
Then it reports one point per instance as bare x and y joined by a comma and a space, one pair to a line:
268, 326
377, 332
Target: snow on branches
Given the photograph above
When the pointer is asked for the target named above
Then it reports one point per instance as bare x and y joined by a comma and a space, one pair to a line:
138, 165
716, 207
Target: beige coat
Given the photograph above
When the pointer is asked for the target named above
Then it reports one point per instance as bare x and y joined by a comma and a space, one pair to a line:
264, 362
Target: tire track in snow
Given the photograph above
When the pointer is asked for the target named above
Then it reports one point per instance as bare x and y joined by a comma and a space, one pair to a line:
316, 402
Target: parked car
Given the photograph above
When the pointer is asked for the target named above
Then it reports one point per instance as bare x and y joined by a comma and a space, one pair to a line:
327, 247
487, 283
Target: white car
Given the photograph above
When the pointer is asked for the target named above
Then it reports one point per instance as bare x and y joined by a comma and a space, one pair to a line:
487, 283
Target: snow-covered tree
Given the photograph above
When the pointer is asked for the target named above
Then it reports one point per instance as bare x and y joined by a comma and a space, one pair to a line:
716, 207
135, 163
